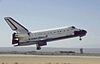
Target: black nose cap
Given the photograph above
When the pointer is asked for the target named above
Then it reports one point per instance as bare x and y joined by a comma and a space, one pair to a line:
84, 31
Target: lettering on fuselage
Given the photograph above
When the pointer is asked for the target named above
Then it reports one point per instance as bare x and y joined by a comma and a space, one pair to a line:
37, 38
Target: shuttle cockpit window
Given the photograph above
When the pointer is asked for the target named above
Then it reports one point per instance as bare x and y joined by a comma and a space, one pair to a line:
73, 27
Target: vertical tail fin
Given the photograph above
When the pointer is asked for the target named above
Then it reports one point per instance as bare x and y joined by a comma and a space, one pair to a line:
15, 26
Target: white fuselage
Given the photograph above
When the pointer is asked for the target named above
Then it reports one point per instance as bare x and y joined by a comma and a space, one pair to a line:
46, 35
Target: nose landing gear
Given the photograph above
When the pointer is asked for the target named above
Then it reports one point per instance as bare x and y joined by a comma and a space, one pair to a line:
80, 38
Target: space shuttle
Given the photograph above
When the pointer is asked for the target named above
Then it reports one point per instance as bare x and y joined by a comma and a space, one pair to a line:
23, 37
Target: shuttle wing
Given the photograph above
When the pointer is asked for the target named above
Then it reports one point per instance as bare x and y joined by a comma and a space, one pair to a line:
15, 26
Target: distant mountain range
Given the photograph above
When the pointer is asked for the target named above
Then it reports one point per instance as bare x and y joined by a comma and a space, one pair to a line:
49, 49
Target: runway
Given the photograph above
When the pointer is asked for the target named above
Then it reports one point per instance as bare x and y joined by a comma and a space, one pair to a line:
47, 59
63, 56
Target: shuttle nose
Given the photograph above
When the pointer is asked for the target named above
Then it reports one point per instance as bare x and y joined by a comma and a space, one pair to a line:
80, 33
84, 31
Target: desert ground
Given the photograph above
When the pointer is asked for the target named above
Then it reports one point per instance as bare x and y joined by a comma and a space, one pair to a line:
48, 60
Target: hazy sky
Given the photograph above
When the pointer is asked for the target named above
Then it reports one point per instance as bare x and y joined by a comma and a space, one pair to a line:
45, 14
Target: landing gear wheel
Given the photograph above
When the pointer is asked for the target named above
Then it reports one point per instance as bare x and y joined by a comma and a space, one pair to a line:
38, 48
80, 39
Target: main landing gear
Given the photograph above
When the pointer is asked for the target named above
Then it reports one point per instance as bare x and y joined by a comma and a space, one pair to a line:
38, 48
